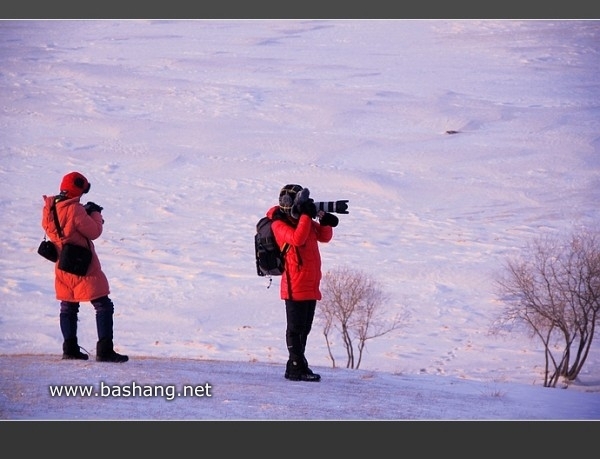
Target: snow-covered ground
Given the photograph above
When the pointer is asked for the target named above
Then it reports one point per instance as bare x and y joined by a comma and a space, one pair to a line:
188, 129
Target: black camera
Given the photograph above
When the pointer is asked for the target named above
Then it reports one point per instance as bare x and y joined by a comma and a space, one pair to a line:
92, 207
303, 196
338, 207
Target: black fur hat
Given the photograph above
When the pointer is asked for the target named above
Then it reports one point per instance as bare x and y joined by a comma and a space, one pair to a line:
290, 195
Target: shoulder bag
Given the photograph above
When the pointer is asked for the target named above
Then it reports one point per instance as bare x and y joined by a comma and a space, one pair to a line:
73, 258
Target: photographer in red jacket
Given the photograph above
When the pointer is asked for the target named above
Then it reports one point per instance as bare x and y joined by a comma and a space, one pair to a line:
79, 225
294, 225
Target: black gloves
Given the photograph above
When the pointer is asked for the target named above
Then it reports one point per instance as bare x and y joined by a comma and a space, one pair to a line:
329, 220
308, 208
92, 207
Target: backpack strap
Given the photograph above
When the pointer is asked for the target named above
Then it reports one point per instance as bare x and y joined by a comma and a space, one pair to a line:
56, 222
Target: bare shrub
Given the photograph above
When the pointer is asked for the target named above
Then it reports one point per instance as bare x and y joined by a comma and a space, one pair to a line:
553, 290
353, 304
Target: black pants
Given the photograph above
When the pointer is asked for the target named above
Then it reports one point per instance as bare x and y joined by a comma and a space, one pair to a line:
104, 318
300, 315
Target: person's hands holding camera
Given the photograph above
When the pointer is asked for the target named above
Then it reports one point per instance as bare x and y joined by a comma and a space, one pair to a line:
308, 208
92, 207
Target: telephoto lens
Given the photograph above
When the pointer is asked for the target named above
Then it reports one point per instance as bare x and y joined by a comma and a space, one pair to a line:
338, 207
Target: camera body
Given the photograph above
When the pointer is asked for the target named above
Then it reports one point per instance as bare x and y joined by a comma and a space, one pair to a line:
92, 207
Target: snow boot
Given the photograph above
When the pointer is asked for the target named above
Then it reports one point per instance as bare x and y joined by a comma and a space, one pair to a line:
310, 372
297, 370
72, 350
106, 353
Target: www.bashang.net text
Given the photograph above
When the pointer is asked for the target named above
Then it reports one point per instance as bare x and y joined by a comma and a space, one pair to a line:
131, 390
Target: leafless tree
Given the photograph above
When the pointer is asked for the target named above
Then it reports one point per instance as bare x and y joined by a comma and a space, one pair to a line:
353, 304
553, 289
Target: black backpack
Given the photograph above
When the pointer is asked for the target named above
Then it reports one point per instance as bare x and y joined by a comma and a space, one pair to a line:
269, 257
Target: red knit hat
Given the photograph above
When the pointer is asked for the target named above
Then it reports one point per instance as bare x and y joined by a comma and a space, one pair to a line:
74, 185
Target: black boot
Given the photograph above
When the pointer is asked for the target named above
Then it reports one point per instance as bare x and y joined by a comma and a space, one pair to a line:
309, 371
106, 353
104, 324
297, 370
289, 367
72, 351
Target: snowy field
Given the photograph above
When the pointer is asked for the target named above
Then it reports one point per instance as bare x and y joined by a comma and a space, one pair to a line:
188, 129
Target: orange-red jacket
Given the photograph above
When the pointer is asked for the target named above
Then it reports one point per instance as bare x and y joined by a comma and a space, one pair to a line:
303, 259
78, 228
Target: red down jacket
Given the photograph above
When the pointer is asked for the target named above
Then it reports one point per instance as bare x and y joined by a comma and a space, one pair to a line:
78, 228
303, 259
